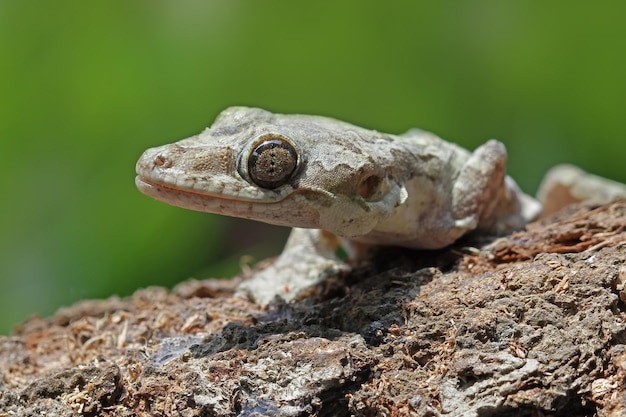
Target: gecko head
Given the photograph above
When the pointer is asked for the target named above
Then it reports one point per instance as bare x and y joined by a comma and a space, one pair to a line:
297, 171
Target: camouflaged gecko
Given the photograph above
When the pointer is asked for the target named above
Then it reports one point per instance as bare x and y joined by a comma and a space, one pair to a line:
334, 183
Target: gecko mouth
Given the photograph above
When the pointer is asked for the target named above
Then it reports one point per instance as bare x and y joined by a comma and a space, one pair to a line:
167, 193
156, 190
268, 211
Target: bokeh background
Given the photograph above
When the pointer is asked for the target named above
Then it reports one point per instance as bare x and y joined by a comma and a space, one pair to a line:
85, 87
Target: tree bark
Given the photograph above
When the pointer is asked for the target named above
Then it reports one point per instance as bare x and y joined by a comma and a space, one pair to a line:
530, 324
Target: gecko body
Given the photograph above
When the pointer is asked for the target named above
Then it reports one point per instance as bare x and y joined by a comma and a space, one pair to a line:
326, 179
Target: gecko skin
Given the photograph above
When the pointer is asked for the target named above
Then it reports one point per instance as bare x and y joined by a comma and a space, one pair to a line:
328, 179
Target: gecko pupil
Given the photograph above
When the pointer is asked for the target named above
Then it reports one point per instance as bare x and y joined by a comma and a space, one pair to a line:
272, 162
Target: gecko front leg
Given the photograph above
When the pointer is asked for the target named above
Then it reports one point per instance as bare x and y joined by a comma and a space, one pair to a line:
484, 198
307, 259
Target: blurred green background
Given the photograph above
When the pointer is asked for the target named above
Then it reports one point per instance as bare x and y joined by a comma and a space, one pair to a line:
85, 87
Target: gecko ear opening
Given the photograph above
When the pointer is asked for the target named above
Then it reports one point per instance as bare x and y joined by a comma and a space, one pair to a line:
382, 195
378, 188
369, 188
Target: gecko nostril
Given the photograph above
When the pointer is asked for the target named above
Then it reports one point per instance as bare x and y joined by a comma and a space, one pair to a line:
162, 161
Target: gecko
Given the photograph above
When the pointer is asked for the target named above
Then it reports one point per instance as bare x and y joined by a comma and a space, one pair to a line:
337, 184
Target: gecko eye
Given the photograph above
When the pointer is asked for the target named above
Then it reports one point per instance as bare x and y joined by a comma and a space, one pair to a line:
272, 162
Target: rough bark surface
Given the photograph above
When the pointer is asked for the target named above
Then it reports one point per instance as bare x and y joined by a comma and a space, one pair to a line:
532, 324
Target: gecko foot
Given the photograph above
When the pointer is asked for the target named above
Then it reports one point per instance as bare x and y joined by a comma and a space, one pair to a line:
288, 281
308, 259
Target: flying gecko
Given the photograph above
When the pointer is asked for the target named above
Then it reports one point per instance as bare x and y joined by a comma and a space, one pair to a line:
335, 183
